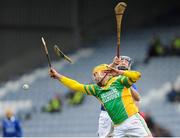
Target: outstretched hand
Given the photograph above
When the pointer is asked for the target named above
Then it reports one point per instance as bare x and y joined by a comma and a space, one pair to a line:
54, 74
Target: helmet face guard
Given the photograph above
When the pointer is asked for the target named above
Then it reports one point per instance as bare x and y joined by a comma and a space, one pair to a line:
98, 74
129, 60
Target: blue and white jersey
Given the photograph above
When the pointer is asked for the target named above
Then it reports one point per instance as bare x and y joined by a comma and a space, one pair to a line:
11, 127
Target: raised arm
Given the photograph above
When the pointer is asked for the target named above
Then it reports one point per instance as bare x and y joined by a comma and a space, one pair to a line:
132, 76
70, 83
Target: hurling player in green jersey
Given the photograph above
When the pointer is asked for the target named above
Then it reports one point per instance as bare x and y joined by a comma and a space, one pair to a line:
105, 124
112, 89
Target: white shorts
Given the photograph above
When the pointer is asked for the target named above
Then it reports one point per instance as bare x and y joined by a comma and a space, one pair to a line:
105, 125
134, 126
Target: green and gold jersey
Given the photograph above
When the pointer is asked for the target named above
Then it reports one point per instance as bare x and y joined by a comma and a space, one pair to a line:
115, 97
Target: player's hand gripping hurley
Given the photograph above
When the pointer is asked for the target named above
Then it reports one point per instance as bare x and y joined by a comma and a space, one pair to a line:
119, 11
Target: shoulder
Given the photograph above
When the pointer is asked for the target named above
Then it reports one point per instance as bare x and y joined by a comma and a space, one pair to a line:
95, 86
119, 78
91, 89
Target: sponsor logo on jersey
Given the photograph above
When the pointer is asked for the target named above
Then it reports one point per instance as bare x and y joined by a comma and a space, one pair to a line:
108, 96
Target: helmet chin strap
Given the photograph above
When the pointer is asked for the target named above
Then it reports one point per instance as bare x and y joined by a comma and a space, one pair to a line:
100, 82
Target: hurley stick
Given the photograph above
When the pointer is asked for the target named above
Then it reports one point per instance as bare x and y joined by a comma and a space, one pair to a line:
119, 11
46, 52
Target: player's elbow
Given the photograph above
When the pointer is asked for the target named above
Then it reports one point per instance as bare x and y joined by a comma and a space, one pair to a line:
138, 75
138, 99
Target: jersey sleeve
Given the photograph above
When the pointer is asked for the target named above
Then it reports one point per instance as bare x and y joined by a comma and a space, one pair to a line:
72, 84
125, 81
90, 89
135, 87
133, 76
129, 78
78, 87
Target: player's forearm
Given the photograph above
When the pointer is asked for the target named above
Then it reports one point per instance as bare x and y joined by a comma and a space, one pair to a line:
132, 75
71, 84
135, 94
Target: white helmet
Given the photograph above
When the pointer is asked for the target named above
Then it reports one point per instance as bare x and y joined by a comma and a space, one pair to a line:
130, 61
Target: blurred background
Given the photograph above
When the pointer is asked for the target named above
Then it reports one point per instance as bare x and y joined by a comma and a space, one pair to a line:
86, 31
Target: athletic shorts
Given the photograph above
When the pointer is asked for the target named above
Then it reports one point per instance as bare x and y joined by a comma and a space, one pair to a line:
134, 126
105, 128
